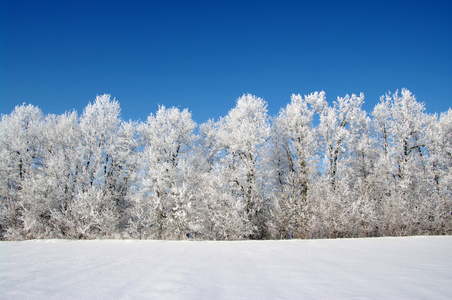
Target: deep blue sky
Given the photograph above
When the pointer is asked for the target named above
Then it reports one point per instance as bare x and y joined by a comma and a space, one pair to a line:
59, 55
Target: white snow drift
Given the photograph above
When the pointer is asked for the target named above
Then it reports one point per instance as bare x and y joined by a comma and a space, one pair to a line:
377, 268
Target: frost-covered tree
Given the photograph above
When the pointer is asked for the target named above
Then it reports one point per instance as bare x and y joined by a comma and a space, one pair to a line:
437, 205
339, 129
241, 138
162, 204
291, 161
442, 174
21, 158
401, 127
219, 216
103, 163
57, 185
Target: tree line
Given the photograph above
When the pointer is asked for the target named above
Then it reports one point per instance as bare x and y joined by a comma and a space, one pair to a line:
314, 170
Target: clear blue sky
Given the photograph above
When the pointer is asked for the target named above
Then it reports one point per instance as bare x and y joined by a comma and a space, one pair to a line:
58, 55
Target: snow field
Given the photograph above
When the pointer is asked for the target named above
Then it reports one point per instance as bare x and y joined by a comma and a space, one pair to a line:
377, 268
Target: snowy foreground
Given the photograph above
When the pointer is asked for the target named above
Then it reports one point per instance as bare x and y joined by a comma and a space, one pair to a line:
377, 268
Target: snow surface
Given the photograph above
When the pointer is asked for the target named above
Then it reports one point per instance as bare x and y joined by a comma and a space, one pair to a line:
377, 268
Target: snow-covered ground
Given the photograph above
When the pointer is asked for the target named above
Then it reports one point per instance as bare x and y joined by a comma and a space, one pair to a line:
377, 268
